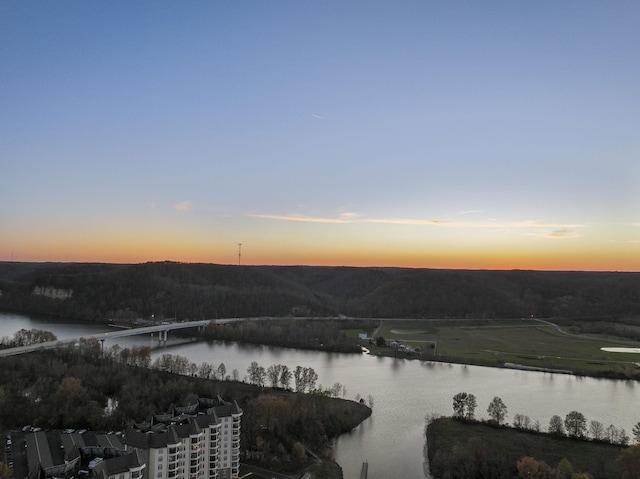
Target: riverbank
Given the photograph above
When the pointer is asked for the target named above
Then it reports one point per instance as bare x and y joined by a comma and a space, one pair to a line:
527, 344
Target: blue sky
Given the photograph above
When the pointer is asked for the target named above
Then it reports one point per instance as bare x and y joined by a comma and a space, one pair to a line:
426, 134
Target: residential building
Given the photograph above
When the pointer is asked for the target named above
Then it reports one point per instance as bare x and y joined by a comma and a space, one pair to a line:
198, 441
55, 454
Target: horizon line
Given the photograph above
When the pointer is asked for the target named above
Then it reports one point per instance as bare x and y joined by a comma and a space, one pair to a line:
301, 265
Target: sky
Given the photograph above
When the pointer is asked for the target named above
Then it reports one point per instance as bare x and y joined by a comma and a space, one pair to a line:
427, 134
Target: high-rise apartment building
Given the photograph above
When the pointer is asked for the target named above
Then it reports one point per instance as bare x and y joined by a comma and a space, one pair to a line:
199, 441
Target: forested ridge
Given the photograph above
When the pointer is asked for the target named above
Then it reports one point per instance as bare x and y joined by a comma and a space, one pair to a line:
100, 292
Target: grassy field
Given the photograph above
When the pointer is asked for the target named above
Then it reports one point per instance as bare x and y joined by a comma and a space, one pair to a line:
516, 343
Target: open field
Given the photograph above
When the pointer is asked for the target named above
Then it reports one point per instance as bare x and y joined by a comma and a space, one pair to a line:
528, 343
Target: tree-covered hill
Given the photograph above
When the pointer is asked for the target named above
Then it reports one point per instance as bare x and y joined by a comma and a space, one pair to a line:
99, 292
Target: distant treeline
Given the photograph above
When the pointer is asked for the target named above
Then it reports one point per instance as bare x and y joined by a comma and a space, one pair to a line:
101, 292
325, 335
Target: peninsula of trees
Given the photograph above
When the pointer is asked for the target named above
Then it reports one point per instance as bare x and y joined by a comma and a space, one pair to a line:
82, 387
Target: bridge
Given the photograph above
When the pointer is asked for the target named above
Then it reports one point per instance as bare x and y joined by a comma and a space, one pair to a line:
161, 329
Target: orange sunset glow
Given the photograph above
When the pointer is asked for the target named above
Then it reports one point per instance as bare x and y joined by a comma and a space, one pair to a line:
322, 135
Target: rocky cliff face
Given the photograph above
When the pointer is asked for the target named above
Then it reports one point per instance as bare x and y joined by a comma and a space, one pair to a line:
53, 293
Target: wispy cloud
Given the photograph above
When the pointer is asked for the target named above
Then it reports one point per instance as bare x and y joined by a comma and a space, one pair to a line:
410, 221
558, 229
318, 117
184, 205
544, 224
558, 234
471, 212
303, 218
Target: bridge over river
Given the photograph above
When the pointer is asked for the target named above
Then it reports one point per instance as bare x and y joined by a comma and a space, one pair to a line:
161, 329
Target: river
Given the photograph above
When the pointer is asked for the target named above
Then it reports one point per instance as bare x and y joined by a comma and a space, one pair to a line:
403, 392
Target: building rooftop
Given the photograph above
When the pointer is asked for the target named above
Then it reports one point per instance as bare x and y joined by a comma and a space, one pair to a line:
164, 429
59, 454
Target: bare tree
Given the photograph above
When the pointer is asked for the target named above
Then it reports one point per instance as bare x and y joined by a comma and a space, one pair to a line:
596, 429
464, 405
471, 403
285, 377
636, 432
556, 425
205, 370
335, 390
180, 364
497, 410
261, 376
298, 379
611, 434
26, 337
254, 372
273, 374
310, 379
623, 439
459, 401
576, 424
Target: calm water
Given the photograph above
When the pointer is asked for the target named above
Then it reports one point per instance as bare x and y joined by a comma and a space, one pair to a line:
403, 391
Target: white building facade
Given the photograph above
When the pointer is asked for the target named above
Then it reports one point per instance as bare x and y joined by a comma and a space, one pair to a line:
200, 441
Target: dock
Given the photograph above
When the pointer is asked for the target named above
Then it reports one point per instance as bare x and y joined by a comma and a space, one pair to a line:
364, 471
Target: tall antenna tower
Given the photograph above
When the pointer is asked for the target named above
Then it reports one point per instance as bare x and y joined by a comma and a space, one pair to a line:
239, 252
